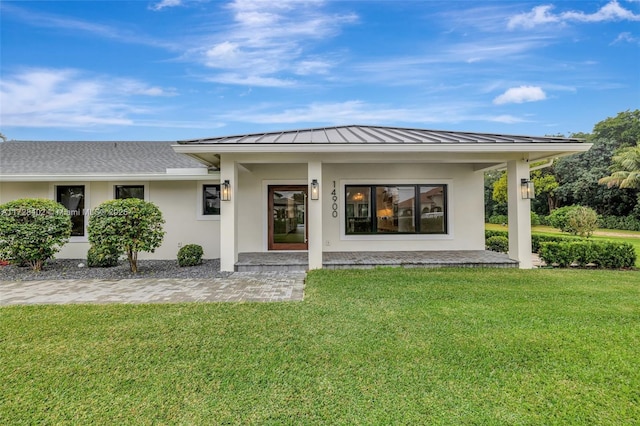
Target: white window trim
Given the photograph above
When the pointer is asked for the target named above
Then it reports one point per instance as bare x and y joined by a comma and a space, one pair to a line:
113, 184
87, 206
395, 237
200, 198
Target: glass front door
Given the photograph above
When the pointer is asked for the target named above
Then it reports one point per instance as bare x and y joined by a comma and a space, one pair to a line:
288, 217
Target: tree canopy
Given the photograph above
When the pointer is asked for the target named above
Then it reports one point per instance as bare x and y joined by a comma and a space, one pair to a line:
580, 179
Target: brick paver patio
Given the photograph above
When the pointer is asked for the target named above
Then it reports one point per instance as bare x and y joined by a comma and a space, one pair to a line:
238, 287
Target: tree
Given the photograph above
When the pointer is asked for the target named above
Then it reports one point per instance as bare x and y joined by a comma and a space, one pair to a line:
546, 184
624, 129
626, 169
32, 230
127, 226
500, 193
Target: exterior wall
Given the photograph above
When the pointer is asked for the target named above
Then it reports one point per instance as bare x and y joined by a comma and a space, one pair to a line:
465, 204
178, 201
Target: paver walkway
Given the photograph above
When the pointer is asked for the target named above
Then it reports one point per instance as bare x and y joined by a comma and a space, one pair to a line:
238, 287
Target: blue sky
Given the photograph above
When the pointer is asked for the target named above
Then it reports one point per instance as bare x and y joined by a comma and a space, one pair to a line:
178, 69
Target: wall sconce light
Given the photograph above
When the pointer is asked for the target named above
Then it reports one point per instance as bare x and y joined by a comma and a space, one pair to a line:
226, 191
315, 190
527, 190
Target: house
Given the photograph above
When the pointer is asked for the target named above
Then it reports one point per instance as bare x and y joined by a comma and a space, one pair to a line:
82, 175
331, 189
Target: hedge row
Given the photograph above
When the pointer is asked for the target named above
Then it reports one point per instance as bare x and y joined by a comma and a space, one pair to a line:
603, 254
629, 223
536, 239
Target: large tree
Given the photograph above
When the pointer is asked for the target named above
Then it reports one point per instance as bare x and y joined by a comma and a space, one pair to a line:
578, 175
626, 169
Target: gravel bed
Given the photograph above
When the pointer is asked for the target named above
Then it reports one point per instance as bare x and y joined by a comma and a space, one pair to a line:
60, 269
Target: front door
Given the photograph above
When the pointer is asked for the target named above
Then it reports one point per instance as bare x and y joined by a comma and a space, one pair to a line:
287, 217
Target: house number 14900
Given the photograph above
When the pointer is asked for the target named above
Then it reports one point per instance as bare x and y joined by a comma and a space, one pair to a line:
334, 197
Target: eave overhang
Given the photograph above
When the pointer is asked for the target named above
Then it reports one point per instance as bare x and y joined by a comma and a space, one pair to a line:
142, 177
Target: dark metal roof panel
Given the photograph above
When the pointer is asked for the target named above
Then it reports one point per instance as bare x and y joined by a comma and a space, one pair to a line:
376, 135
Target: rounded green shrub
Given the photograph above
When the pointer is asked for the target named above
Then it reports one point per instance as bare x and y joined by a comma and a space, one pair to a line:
127, 226
581, 221
190, 255
558, 217
32, 230
498, 243
102, 257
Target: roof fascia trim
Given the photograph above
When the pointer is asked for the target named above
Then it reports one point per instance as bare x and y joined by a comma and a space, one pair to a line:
106, 177
370, 147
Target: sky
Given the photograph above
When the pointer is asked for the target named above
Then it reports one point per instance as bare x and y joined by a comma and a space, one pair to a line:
179, 69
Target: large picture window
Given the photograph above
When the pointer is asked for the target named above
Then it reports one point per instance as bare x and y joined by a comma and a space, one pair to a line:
396, 209
72, 197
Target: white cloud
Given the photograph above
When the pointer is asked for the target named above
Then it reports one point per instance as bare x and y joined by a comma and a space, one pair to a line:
360, 112
268, 42
165, 3
518, 95
541, 15
626, 37
69, 98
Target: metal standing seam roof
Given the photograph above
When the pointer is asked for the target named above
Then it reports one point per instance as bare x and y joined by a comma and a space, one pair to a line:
374, 135
44, 157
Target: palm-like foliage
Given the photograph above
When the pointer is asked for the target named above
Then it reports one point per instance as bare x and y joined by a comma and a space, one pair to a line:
626, 166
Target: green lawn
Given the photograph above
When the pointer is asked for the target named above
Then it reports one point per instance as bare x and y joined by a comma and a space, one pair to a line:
387, 346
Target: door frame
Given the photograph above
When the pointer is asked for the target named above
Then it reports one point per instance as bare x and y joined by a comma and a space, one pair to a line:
271, 245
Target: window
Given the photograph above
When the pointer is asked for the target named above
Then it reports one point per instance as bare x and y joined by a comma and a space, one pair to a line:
72, 197
396, 209
210, 200
129, 191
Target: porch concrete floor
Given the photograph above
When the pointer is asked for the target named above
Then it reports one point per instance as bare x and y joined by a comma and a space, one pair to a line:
298, 261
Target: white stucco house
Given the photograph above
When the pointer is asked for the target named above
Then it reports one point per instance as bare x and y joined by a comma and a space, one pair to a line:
321, 190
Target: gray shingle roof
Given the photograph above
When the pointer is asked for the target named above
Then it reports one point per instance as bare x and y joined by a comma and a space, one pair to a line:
374, 135
40, 157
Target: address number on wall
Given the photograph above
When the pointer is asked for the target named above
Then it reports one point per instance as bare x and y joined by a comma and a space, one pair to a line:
334, 198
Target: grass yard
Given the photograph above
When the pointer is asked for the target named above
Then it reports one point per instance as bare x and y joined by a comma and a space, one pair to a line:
387, 346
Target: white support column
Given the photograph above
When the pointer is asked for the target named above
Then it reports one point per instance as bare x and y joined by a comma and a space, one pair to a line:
314, 216
519, 214
229, 216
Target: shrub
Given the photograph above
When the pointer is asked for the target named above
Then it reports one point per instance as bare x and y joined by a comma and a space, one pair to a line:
498, 243
535, 219
605, 254
556, 253
629, 223
127, 226
499, 219
581, 221
102, 256
32, 230
190, 255
536, 239
558, 217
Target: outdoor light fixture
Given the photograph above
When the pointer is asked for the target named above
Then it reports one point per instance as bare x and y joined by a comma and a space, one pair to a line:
315, 190
226, 191
526, 189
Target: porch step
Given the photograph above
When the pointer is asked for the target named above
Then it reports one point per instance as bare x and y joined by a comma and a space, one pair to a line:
272, 262
298, 261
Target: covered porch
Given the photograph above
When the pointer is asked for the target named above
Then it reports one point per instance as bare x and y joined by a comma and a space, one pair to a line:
365, 196
299, 261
